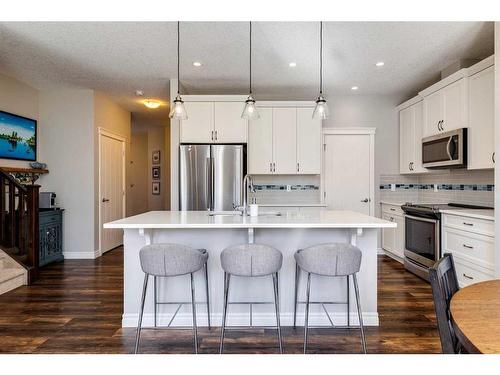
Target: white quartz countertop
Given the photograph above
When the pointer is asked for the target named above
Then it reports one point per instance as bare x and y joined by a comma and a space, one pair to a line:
319, 218
474, 213
292, 205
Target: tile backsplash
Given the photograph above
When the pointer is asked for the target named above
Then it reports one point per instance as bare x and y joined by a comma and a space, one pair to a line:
286, 189
458, 186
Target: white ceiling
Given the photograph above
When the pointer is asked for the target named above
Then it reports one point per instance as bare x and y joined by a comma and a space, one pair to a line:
120, 57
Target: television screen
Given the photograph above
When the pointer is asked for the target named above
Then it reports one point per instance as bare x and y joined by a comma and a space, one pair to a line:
17, 137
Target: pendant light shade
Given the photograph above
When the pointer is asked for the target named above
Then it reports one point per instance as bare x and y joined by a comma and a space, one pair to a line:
250, 111
321, 111
178, 110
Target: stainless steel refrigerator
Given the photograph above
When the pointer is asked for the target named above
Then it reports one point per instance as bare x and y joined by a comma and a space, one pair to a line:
210, 177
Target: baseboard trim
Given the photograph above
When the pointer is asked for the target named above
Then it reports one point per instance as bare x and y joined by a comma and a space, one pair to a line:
79, 255
391, 255
239, 319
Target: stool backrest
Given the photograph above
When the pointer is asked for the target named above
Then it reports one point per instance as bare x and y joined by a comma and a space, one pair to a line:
444, 284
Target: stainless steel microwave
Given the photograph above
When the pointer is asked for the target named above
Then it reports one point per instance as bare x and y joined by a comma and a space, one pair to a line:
445, 150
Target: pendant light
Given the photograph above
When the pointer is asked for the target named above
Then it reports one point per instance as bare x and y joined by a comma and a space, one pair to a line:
178, 110
250, 111
321, 110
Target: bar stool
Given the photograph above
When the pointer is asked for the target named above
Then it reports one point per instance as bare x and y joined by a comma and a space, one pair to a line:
331, 260
251, 260
169, 260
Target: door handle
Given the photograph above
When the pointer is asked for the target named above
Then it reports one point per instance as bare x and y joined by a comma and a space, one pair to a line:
468, 277
104, 200
366, 200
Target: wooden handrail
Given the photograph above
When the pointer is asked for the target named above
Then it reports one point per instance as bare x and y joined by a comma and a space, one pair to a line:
19, 235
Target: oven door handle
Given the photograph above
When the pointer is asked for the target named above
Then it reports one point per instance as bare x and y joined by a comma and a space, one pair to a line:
421, 219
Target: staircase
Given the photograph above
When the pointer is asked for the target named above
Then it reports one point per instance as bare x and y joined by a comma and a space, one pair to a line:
12, 275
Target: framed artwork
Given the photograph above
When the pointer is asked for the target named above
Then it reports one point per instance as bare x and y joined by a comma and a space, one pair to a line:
156, 173
156, 157
156, 188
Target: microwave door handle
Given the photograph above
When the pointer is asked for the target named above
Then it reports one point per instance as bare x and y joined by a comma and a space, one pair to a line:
448, 148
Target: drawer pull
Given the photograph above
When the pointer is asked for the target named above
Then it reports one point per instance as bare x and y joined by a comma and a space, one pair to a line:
468, 277
468, 224
393, 209
468, 246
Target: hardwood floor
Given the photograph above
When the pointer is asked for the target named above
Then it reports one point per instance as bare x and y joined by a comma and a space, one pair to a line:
76, 307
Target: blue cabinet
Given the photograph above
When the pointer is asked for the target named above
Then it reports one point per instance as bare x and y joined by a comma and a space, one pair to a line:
51, 236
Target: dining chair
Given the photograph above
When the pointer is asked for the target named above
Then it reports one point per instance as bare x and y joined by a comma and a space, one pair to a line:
444, 282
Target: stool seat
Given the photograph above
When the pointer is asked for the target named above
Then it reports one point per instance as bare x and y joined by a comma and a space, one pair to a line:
166, 259
332, 259
251, 260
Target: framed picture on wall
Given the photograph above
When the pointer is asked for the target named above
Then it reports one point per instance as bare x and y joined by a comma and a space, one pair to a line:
156, 157
156, 188
156, 173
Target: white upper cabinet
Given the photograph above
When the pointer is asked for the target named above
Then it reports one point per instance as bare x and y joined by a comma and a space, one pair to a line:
445, 108
308, 142
199, 126
285, 140
410, 137
481, 119
229, 126
260, 143
213, 122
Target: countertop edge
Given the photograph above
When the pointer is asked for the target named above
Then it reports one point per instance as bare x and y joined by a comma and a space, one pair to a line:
467, 213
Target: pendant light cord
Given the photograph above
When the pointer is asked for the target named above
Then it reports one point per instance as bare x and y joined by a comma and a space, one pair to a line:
321, 57
178, 57
250, 57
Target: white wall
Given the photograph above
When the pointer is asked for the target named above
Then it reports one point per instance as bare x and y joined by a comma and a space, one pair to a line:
66, 125
18, 98
497, 146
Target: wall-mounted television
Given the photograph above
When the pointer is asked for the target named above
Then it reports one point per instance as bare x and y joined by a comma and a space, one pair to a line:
17, 137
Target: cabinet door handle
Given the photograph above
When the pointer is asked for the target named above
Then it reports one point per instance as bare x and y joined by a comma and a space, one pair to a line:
439, 123
468, 246
393, 209
366, 200
468, 277
298, 167
442, 125
212, 135
274, 167
493, 157
468, 224
216, 138
270, 167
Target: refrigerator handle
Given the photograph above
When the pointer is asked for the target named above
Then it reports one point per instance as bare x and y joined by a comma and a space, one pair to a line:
212, 183
209, 183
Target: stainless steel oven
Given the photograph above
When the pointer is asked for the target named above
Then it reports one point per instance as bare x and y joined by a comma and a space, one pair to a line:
445, 150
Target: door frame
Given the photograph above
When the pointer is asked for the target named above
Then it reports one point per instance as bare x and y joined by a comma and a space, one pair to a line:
351, 131
102, 132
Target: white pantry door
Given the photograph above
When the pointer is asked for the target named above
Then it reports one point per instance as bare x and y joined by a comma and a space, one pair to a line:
111, 188
348, 171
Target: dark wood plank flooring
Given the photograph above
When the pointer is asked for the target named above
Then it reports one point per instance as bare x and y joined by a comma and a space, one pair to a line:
76, 307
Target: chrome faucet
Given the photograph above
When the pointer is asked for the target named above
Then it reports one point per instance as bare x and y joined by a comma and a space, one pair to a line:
246, 184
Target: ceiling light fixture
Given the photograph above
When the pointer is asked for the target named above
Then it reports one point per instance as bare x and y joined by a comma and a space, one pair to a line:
292, 64
250, 110
354, 88
178, 110
380, 63
197, 64
321, 111
153, 104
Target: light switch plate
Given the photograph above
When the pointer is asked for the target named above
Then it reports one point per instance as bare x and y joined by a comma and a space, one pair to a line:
288, 187
393, 187
435, 188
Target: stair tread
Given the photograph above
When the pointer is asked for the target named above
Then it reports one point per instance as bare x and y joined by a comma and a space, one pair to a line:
10, 273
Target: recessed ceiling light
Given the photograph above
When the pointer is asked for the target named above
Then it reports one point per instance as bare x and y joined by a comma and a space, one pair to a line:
197, 64
354, 88
153, 104
292, 64
380, 63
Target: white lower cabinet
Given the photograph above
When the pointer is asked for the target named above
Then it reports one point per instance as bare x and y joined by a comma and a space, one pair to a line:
393, 239
472, 246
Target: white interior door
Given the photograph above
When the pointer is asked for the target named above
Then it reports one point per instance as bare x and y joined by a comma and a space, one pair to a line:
348, 168
111, 188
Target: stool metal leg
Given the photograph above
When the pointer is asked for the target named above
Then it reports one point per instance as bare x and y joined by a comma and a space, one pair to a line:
143, 298
195, 327
358, 303
277, 308
227, 277
208, 296
297, 277
155, 299
348, 303
306, 323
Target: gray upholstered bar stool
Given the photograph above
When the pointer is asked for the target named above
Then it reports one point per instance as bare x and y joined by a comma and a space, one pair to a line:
331, 260
169, 260
251, 260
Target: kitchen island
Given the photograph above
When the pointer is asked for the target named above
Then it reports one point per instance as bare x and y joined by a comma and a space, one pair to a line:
287, 232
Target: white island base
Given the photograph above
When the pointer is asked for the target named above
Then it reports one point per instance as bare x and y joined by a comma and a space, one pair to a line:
287, 233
